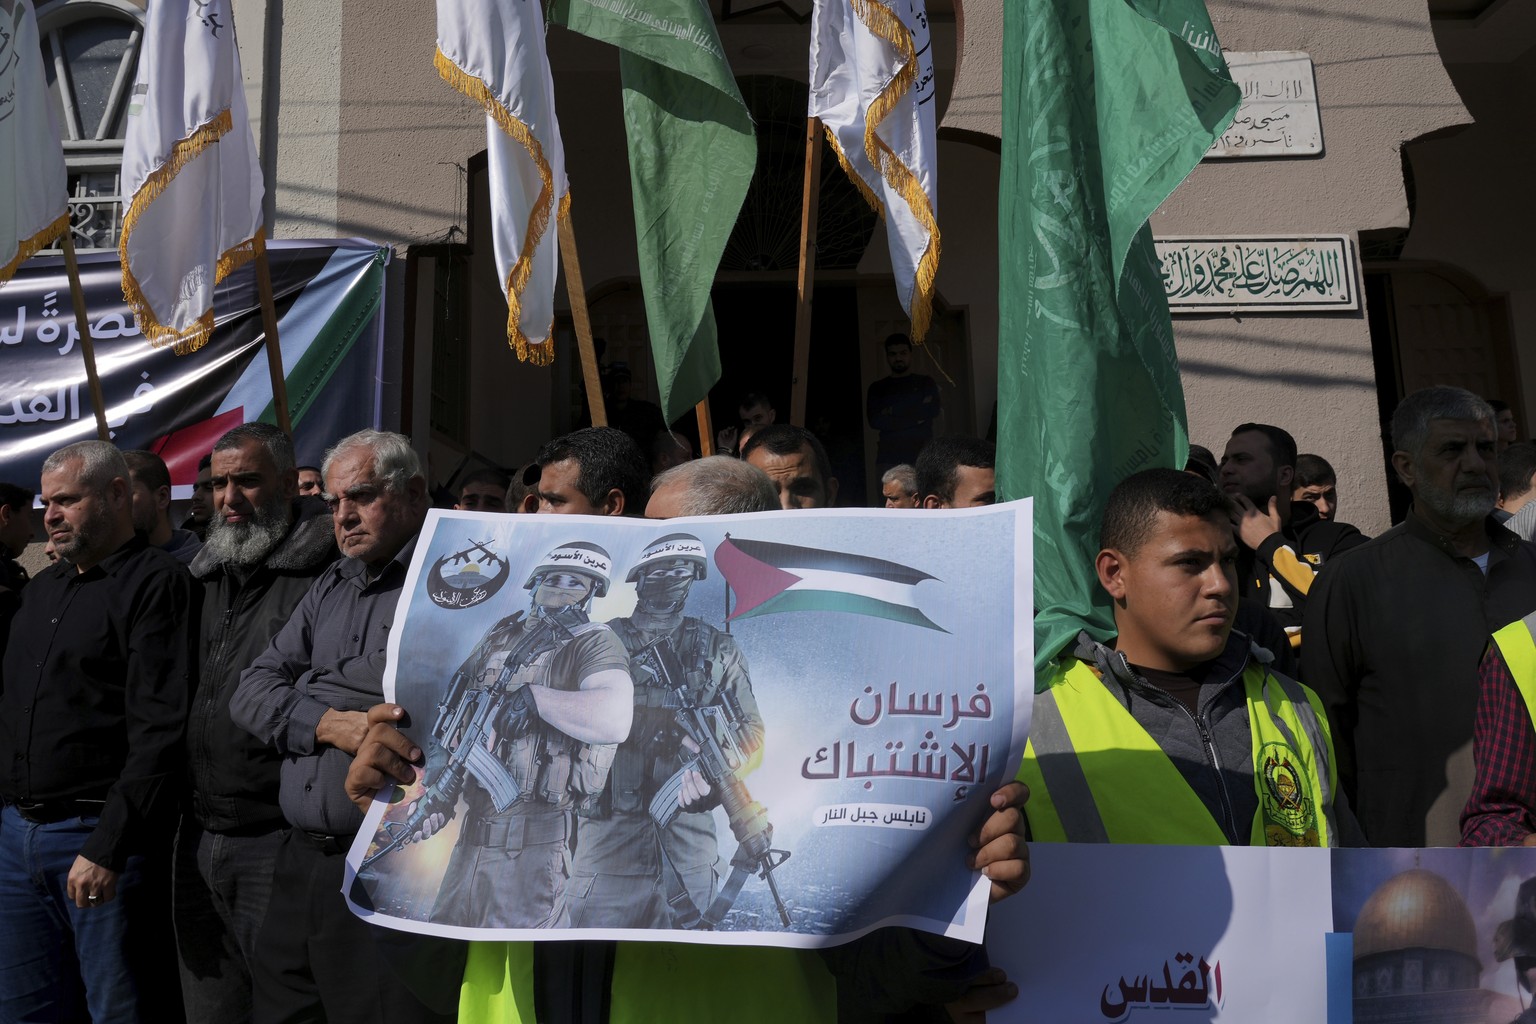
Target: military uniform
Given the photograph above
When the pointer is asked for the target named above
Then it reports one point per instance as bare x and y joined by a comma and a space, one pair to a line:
509, 868
627, 869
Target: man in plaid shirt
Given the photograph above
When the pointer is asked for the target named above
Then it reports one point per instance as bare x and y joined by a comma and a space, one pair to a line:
1502, 808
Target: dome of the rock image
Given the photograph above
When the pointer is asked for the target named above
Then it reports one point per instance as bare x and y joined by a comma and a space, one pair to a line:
1415, 910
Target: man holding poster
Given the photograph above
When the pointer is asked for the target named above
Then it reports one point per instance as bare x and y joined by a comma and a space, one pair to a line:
1180, 732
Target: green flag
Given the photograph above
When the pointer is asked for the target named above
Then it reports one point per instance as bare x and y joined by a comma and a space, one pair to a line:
1107, 105
692, 151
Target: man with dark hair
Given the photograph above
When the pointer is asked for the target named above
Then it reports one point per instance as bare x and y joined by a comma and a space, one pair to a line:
1395, 629
669, 449
484, 490
595, 471
523, 497
796, 462
152, 506
1150, 738
902, 407
1316, 483
1504, 423
310, 481
756, 411
307, 694
265, 548
1517, 484
15, 535
200, 507
957, 472
1283, 543
97, 674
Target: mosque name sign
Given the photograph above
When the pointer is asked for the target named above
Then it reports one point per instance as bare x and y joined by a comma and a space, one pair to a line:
1279, 113
1259, 273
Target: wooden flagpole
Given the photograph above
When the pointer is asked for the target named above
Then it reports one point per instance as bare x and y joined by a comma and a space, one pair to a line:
576, 292
809, 207
269, 327
87, 343
706, 428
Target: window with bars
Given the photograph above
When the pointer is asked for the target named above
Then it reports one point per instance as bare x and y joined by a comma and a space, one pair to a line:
90, 53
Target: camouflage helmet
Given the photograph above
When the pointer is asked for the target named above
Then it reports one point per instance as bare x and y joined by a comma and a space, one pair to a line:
674, 547
580, 558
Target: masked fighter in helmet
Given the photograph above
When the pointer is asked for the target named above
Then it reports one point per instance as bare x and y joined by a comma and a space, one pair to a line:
527, 733
631, 871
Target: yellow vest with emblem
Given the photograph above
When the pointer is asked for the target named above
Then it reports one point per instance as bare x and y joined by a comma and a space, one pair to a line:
1095, 775
1517, 644
671, 981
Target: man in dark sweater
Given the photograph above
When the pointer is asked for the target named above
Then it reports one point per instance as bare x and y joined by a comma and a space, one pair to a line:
1395, 629
265, 547
902, 407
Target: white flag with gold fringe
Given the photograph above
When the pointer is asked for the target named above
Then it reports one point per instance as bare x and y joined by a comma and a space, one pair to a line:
493, 52
872, 85
34, 200
189, 170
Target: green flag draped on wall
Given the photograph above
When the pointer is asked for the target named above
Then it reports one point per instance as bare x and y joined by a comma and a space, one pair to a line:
1107, 105
692, 151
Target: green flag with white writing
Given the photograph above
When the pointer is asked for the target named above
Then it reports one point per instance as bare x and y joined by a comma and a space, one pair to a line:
692, 151
1107, 105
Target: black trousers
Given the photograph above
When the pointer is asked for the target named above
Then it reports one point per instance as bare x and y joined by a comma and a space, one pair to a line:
318, 962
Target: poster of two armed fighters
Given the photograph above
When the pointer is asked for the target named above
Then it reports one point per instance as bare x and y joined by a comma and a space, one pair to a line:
776, 728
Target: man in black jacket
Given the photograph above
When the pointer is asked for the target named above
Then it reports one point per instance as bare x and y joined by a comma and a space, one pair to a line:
265, 546
1281, 543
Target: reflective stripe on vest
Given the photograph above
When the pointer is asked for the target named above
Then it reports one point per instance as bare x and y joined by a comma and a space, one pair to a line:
1517, 645
1094, 772
662, 981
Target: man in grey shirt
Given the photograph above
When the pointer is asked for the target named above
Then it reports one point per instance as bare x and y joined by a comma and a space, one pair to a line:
308, 694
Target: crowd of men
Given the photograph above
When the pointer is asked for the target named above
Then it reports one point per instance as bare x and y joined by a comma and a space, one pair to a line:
192, 719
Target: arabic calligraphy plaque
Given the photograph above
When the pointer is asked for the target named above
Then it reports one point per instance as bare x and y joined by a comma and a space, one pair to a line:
1279, 113
1259, 273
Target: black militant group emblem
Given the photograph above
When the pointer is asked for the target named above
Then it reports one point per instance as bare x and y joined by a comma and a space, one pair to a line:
467, 578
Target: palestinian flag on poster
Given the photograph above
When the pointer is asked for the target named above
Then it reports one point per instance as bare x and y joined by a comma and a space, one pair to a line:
768, 578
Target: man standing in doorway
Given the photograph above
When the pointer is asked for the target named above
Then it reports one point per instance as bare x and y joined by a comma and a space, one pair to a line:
903, 407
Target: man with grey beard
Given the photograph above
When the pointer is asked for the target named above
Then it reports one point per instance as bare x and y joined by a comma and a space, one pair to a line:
1395, 628
264, 548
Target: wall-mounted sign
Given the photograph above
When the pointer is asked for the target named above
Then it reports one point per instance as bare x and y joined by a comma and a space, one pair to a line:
1278, 116
1259, 273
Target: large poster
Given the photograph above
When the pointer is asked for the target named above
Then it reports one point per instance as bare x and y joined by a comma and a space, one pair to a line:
328, 296
775, 729
1188, 934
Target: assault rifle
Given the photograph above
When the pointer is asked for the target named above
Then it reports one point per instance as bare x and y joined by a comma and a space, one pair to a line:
466, 716
719, 731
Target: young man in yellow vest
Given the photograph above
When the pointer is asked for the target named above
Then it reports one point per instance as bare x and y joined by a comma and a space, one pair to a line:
1502, 808
1177, 731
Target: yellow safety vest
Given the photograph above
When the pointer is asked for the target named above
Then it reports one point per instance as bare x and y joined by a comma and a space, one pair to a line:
1095, 775
669, 981
1517, 645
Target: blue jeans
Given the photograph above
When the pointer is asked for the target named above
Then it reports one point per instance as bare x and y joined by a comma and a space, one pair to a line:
220, 894
57, 961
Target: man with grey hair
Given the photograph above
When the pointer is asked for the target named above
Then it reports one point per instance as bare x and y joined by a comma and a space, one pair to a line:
898, 485
716, 486
151, 483
265, 546
1395, 628
97, 672
307, 695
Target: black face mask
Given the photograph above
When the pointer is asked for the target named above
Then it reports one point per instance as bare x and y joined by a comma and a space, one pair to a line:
665, 594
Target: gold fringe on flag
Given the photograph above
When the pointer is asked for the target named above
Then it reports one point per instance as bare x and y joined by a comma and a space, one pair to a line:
29, 247
538, 220
881, 21
185, 151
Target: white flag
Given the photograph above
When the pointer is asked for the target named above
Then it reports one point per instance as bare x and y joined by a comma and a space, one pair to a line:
34, 201
189, 166
493, 52
872, 86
